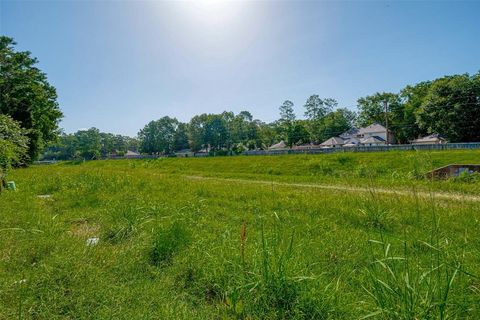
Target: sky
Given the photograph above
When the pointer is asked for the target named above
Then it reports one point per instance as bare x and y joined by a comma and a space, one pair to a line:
117, 65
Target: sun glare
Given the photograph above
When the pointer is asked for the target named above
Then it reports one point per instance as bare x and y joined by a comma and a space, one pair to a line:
213, 12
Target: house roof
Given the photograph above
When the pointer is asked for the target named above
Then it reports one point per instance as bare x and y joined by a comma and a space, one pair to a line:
305, 146
183, 151
280, 145
375, 127
333, 141
132, 153
373, 139
352, 140
349, 133
431, 138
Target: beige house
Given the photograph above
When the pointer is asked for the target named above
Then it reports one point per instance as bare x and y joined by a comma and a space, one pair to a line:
278, 146
373, 141
378, 131
431, 139
333, 142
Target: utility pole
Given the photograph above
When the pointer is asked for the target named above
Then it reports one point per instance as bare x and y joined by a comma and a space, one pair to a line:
385, 104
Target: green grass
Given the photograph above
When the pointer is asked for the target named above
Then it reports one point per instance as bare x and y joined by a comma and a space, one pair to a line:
177, 247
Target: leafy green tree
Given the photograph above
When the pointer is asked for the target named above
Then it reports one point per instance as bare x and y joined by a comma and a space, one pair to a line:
298, 133
196, 132
287, 115
27, 97
335, 123
181, 137
13, 146
158, 136
404, 122
315, 111
216, 132
372, 108
451, 108
286, 121
88, 143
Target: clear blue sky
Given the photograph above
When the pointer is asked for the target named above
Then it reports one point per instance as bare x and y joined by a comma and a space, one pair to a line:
118, 65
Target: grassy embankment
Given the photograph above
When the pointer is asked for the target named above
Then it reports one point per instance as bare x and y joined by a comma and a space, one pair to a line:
175, 246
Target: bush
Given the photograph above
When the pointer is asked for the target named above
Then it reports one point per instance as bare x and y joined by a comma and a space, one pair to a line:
13, 145
167, 244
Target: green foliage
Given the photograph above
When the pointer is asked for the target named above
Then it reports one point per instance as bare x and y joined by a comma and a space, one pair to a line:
405, 287
167, 243
159, 137
451, 108
27, 97
13, 145
447, 105
89, 144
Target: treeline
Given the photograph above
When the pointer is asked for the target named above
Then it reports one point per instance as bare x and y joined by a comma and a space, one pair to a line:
228, 131
89, 144
449, 106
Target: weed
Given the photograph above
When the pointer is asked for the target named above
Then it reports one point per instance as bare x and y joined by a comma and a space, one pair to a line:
167, 243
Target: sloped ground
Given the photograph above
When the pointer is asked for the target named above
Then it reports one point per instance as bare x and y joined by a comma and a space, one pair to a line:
219, 246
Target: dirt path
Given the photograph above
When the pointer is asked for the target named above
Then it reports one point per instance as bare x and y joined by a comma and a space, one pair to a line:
399, 192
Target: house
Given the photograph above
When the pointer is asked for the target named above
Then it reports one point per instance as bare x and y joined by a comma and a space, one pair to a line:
352, 142
350, 133
431, 139
184, 153
305, 146
378, 131
333, 142
373, 141
132, 154
277, 146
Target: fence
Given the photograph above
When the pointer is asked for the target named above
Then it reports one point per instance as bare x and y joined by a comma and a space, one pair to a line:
405, 147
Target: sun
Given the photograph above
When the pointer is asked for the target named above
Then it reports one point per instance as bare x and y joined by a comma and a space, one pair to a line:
213, 12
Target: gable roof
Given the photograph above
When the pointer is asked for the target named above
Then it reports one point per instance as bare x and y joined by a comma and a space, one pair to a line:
374, 127
333, 141
131, 153
431, 138
373, 139
349, 133
280, 145
352, 140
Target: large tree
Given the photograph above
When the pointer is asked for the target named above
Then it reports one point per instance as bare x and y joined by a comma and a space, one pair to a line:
452, 108
158, 136
335, 123
315, 111
27, 97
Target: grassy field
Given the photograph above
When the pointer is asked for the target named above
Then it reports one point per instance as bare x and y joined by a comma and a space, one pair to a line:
340, 236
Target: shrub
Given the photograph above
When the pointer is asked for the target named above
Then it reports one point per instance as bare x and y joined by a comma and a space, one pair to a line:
13, 145
166, 244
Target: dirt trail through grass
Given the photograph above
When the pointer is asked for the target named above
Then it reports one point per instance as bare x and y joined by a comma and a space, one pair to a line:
392, 191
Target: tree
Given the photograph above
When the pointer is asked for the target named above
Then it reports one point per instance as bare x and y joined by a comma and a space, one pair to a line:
404, 115
181, 137
335, 123
451, 108
287, 115
88, 143
315, 111
196, 132
158, 136
216, 132
298, 133
27, 97
13, 146
372, 108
